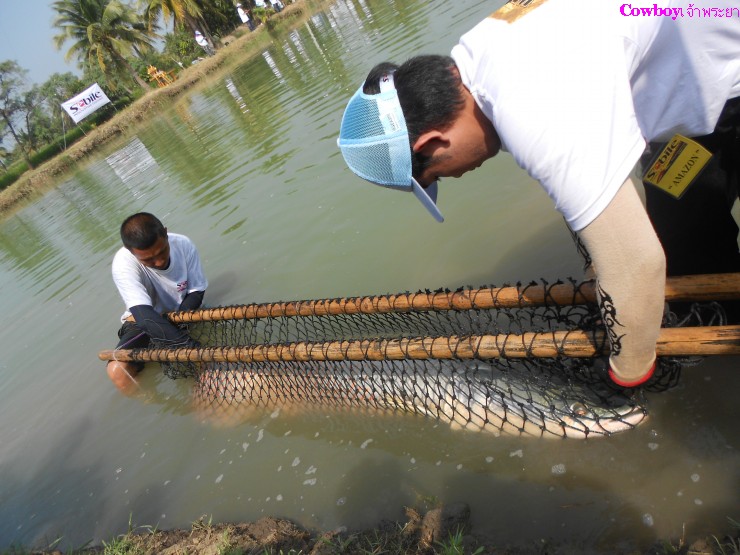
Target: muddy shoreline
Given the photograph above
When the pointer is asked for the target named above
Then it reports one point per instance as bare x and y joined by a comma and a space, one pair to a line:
443, 530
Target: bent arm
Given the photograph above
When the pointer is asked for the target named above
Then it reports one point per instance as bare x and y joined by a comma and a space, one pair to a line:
192, 301
159, 327
629, 263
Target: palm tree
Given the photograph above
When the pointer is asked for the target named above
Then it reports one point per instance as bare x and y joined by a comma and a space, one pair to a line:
105, 32
183, 12
186, 13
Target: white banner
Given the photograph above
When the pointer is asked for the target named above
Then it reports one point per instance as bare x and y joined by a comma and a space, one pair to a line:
85, 103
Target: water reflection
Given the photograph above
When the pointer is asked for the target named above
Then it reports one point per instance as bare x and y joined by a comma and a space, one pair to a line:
131, 160
233, 91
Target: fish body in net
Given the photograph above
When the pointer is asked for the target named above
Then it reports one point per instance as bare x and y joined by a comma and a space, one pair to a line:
520, 403
469, 395
477, 396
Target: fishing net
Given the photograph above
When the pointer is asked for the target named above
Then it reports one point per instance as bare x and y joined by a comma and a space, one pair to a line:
470, 358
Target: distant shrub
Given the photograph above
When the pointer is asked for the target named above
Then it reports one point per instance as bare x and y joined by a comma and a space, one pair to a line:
47, 152
12, 175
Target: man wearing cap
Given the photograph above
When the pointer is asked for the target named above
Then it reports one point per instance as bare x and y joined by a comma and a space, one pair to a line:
203, 43
155, 272
575, 91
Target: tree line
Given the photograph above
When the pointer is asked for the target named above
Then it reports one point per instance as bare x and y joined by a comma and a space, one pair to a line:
113, 43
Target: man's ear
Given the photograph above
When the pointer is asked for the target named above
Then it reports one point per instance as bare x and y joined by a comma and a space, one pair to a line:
429, 141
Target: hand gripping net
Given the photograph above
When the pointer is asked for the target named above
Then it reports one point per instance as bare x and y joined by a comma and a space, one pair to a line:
518, 360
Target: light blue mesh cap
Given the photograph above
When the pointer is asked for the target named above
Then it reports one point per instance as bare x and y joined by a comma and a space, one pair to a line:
374, 141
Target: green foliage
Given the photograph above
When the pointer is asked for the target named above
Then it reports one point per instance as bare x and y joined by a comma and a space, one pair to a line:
12, 175
180, 46
455, 545
12, 106
202, 523
729, 545
47, 152
262, 14
37, 119
106, 32
113, 86
220, 17
61, 86
176, 12
214, 18
123, 545
58, 88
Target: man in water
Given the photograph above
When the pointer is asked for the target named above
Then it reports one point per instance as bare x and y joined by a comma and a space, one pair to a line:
574, 91
155, 272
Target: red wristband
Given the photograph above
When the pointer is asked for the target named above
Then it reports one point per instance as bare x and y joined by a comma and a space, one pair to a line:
633, 383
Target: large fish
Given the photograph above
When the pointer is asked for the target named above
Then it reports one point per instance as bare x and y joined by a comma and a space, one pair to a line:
470, 395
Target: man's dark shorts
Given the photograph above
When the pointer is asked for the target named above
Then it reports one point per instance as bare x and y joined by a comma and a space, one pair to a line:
130, 336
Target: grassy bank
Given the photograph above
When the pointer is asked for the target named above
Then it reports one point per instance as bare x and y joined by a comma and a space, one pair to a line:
443, 530
236, 50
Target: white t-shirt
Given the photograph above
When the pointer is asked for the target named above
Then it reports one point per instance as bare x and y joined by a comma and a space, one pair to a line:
163, 290
574, 88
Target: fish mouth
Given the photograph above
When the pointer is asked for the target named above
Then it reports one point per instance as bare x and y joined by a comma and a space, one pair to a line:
597, 422
544, 421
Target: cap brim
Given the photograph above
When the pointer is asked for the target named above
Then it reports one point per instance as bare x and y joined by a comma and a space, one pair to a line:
428, 197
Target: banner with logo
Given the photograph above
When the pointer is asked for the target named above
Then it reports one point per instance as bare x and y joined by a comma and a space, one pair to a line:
85, 103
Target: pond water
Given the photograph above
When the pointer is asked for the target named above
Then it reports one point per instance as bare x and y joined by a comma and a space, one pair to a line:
247, 166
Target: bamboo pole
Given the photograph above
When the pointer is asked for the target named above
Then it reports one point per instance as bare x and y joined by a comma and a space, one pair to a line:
707, 287
709, 340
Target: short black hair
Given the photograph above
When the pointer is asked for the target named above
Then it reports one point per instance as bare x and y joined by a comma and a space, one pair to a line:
430, 93
141, 230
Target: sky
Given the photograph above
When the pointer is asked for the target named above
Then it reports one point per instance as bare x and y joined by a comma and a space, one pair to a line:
26, 31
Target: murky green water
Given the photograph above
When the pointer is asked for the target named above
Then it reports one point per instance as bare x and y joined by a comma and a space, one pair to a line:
248, 167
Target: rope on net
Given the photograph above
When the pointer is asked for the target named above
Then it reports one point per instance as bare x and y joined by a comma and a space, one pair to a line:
525, 360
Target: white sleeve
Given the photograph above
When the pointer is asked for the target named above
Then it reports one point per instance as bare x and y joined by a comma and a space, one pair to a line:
196, 278
130, 280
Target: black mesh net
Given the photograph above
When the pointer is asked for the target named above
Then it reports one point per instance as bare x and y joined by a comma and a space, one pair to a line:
395, 353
